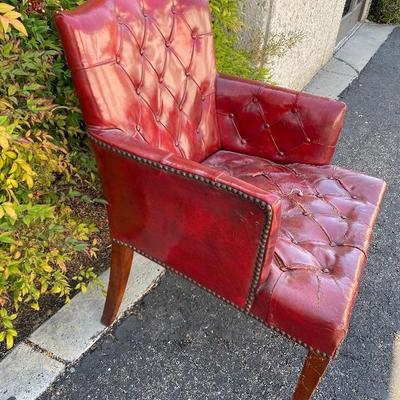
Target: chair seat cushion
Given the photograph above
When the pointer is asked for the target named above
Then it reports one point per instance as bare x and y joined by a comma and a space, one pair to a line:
325, 231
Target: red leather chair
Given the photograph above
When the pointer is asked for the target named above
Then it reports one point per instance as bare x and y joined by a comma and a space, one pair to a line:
223, 180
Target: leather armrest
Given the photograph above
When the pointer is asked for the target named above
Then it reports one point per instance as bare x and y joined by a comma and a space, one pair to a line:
215, 229
276, 123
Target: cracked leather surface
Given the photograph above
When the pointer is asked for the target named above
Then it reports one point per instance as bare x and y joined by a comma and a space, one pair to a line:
327, 215
145, 75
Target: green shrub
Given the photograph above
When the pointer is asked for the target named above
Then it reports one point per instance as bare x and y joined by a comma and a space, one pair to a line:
42, 162
386, 11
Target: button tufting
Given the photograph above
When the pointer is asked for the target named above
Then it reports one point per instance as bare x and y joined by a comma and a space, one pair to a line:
161, 79
187, 73
308, 140
203, 98
138, 128
326, 270
255, 100
294, 110
280, 153
167, 43
173, 10
141, 51
231, 115
243, 141
117, 59
266, 125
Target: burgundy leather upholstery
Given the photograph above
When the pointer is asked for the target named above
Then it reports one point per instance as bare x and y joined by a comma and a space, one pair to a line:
190, 175
325, 230
147, 68
276, 123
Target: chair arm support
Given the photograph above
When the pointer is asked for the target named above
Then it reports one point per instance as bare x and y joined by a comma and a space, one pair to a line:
214, 229
276, 123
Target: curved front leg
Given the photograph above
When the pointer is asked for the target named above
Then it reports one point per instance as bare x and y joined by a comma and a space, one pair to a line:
121, 262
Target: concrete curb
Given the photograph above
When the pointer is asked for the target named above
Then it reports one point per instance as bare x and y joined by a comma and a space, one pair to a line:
349, 60
32, 366
29, 369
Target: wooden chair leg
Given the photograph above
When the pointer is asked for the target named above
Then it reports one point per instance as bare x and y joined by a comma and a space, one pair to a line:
121, 261
313, 370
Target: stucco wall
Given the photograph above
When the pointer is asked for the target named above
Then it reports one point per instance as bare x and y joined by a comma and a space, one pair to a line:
319, 22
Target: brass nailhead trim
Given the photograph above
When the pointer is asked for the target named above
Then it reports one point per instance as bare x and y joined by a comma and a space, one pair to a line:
274, 328
262, 204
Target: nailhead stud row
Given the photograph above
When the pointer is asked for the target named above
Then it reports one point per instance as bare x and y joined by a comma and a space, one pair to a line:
274, 328
262, 204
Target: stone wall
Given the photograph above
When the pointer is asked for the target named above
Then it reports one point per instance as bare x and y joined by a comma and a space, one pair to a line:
317, 20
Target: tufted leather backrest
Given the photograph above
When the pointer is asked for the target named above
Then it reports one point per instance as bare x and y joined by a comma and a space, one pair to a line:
146, 67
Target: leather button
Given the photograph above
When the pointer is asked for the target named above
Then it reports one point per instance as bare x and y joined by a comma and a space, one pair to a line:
294, 110
266, 126
280, 153
173, 10
138, 128
203, 98
117, 59
308, 140
161, 79
255, 100
167, 43
231, 115
138, 91
141, 51
187, 73
243, 141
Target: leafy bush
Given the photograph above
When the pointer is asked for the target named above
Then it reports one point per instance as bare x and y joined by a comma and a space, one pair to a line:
386, 11
42, 163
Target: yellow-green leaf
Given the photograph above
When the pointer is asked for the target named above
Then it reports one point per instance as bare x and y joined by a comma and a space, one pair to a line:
4, 23
29, 181
12, 15
18, 26
4, 8
47, 268
9, 210
9, 341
